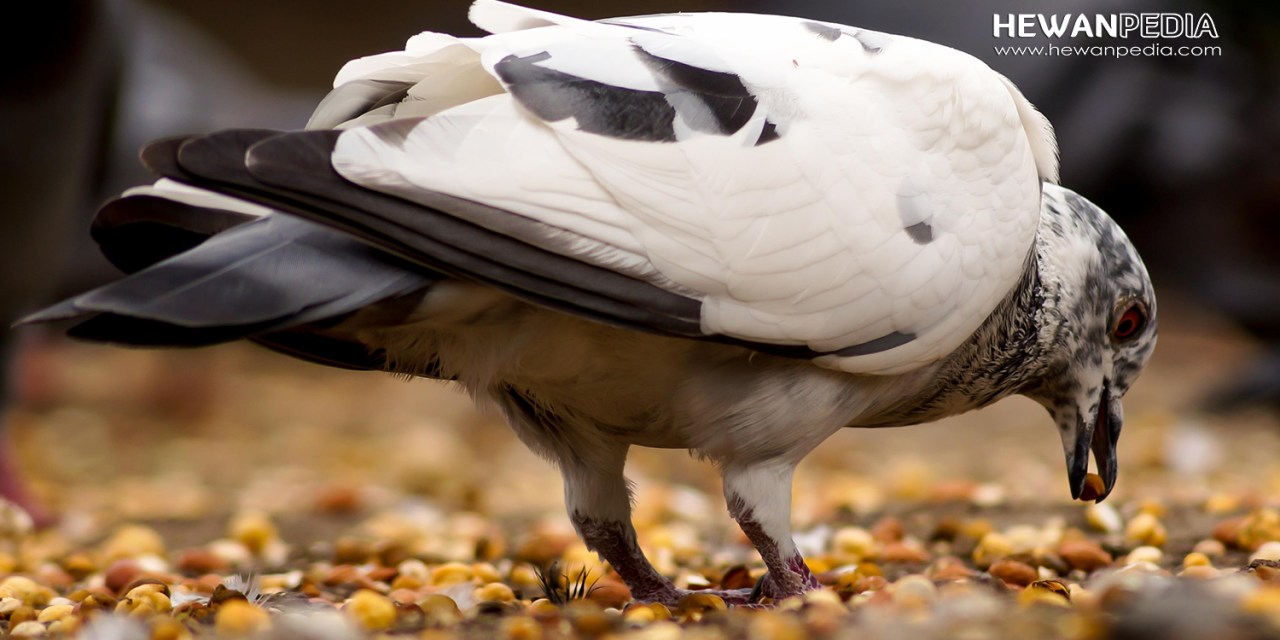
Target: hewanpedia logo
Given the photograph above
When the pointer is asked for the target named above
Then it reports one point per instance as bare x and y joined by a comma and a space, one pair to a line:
1113, 25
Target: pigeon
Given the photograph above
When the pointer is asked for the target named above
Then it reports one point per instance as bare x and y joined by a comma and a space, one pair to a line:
733, 234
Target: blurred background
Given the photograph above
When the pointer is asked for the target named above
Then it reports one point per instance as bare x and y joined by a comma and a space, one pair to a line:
1179, 150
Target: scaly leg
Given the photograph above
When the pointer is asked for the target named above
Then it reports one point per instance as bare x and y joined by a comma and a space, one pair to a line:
759, 498
599, 503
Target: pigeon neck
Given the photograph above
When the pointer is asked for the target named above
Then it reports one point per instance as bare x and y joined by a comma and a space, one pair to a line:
998, 360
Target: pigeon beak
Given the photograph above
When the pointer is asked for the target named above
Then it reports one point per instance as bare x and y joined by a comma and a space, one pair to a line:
1100, 433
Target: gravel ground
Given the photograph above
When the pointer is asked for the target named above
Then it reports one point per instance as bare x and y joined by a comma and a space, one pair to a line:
232, 492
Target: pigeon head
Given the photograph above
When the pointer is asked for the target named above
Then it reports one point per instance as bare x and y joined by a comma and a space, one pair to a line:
1099, 326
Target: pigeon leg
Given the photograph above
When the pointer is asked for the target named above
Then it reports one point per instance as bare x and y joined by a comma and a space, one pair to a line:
598, 499
599, 503
759, 498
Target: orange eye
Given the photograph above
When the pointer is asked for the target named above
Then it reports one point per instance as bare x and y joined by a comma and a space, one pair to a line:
1130, 323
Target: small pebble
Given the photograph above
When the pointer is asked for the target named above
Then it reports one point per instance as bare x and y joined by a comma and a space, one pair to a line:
856, 542
1258, 528
1228, 531
701, 602
1102, 516
639, 613
25, 590
520, 628
1200, 572
237, 618
1084, 555
131, 541
371, 610
28, 629
1197, 559
993, 546
610, 593
55, 612
1220, 503
1145, 529
1014, 572
904, 551
254, 530
451, 573
1145, 554
914, 591
441, 609
1267, 551
1211, 548
495, 592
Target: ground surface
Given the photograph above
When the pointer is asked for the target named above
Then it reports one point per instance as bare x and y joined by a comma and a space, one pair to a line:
367, 504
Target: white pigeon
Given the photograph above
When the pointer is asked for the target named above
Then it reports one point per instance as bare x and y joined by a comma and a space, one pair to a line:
733, 234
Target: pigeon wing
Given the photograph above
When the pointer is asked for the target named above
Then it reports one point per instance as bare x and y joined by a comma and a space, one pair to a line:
817, 190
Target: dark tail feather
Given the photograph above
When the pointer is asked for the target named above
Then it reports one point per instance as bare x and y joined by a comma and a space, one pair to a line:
135, 232
256, 279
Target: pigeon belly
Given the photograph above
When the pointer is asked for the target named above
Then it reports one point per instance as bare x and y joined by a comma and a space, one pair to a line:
566, 381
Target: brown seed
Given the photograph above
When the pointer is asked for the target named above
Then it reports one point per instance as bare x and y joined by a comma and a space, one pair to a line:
589, 621
338, 500
382, 574
947, 528
348, 550
120, 574
1228, 531
1053, 586
1210, 547
949, 568
639, 613
403, 596
51, 575
1260, 527
1014, 572
490, 547
888, 529
1084, 555
96, 602
903, 552
610, 592
200, 561
406, 582
737, 577
79, 565
21, 615
699, 602
342, 574
1093, 487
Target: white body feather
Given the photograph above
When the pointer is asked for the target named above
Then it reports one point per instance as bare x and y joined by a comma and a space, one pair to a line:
800, 241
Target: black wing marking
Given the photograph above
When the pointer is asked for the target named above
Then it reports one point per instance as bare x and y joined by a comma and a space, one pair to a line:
597, 107
722, 96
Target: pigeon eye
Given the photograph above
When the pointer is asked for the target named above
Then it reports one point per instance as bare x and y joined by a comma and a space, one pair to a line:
1130, 322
